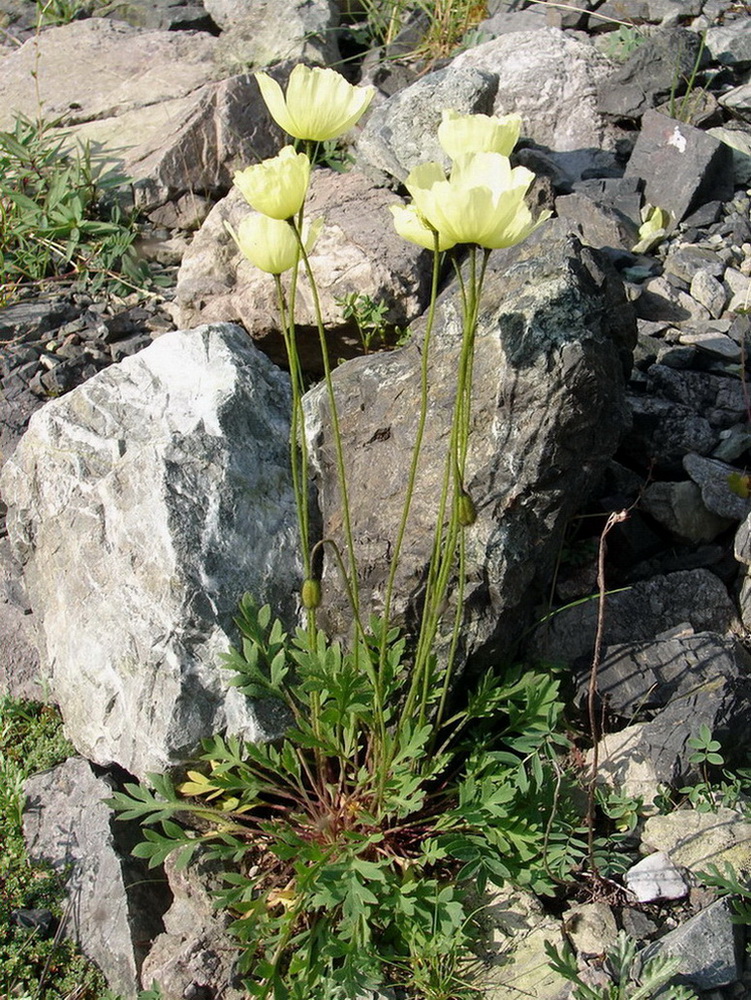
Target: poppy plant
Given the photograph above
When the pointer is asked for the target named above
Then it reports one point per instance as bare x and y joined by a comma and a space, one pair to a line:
277, 186
271, 244
319, 103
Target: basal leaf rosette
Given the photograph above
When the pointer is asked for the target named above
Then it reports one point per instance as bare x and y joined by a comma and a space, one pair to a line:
319, 104
482, 201
277, 186
271, 244
460, 134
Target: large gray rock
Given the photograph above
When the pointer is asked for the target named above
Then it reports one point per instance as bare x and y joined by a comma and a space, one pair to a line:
642, 612
661, 65
551, 80
117, 68
151, 101
262, 32
142, 505
548, 410
358, 252
709, 946
682, 167
117, 904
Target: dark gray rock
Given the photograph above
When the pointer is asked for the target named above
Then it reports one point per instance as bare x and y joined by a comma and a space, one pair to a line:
117, 903
665, 60
643, 676
142, 505
709, 946
686, 259
679, 508
730, 44
641, 612
661, 300
548, 410
682, 167
719, 398
663, 431
714, 480
598, 224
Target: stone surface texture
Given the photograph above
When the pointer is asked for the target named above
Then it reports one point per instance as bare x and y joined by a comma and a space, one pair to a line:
663, 62
682, 167
194, 956
547, 333
154, 100
551, 80
259, 33
142, 505
117, 904
708, 946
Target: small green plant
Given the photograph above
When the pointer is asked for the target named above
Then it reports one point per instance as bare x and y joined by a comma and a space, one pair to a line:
370, 318
447, 22
349, 842
58, 214
55, 12
630, 979
682, 110
623, 42
729, 884
706, 751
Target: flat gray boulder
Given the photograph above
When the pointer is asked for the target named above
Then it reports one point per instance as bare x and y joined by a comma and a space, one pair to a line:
551, 80
152, 103
143, 504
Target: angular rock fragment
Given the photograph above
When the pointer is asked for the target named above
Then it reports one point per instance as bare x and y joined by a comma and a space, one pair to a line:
682, 167
142, 505
117, 902
357, 253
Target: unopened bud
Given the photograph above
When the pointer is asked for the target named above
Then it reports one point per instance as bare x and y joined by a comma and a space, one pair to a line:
311, 594
465, 509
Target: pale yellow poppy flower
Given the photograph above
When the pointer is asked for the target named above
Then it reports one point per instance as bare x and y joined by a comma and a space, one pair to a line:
460, 134
482, 202
319, 104
277, 186
410, 225
271, 244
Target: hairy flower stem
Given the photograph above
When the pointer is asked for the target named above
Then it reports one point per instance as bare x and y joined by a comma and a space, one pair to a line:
409, 494
338, 447
446, 538
297, 442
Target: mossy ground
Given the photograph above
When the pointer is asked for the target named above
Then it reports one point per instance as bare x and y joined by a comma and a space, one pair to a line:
33, 966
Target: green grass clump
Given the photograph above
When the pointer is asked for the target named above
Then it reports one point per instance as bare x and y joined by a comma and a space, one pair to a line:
33, 968
60, 216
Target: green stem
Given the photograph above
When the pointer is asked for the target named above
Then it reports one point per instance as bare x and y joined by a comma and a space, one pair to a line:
447, 535
425, 350
298, 461
338, 447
